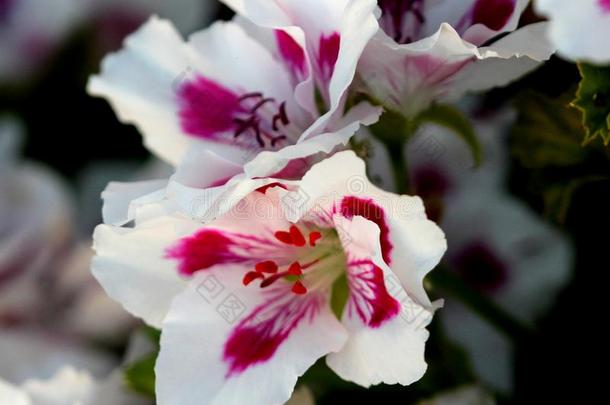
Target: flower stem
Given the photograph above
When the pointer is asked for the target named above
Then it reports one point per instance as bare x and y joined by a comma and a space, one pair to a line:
400, 169
455, 287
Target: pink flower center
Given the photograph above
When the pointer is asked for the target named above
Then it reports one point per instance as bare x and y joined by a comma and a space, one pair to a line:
209, 110
605, 6
402, 19
268, 271
494, 14
481, 267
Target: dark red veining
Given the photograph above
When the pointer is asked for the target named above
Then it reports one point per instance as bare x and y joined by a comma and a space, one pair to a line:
256, 339
355, 206
369, 298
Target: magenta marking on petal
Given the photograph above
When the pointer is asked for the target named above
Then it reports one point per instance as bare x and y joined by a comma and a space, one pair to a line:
211, 247
328, 53
292, 53
354, 206
402, 20
605, 6
494, 14
481, 267
207, 109
369, 297
203, 250
256, 339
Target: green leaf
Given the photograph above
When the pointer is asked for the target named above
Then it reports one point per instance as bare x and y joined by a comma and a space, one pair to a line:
593, 100
453, 119
393, 128
140, 375
547, 132
340, 295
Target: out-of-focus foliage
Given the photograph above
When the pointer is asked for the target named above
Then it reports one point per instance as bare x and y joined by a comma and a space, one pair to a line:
548, 137
593, 100
140, 375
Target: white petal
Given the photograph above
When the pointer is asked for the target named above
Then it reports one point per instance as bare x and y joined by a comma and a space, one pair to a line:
506, 60
33, 354
388, 350
491, 353
119, 196
538, 257
140, 82
418, 244
191, 369
409, 77
269, 163
132, 267
67, 387
579, 29
354, 20
10, 394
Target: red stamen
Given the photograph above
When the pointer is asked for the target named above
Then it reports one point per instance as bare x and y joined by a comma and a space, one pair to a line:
268, 266
298, 288
314, 237
284, 237
295, 269
297, 237
251, 276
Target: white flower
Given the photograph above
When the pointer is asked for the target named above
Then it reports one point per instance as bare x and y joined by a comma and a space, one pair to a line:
40, 369
35, 353
67, 387
579, 29
44, 274
248, 295
496, 244
35, 227
435, 51
240, 100
511, 255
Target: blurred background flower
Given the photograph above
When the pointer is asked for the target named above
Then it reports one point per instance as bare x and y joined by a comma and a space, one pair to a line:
526, 227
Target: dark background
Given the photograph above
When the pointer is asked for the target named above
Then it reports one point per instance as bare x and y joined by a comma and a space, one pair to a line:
563, 362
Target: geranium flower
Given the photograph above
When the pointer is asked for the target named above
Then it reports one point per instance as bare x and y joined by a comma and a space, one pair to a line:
45, 280
579, 29
35, 228
248, 295
45, 372
247, 101
435, 51
512, 257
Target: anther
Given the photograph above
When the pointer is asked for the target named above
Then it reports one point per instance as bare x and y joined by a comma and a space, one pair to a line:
268, 266
297, 237
298, 288
251, 276
314, 237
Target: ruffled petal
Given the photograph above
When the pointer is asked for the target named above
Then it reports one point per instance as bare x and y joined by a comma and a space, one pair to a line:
379, 315
259, 346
